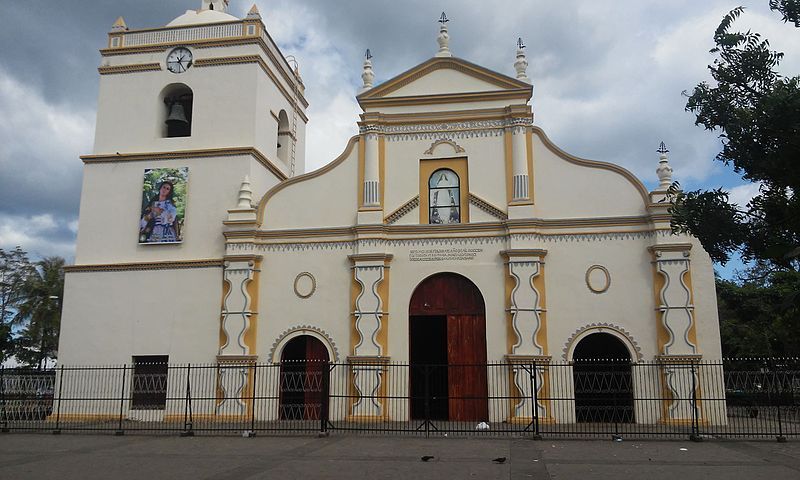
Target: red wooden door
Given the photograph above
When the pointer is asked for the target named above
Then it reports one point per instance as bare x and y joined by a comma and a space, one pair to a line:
455, 297
466, 359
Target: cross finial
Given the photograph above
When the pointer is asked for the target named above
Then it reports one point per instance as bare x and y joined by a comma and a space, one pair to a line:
367, 75
664, 170
521, 63
443, 38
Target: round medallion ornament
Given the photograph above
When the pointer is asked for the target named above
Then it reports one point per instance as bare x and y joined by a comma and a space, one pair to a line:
305, 285
598, 279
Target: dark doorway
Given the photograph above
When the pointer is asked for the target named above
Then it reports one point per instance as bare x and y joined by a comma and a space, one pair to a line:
603, 384
447, 350
304, 361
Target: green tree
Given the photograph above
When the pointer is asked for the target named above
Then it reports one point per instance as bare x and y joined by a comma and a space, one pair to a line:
757, 112
39, 313
758, 318
14, 268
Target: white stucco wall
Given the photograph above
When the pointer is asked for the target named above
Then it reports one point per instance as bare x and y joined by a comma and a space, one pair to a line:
110, 316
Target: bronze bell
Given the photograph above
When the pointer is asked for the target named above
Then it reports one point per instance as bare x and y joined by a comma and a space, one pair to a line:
177, 116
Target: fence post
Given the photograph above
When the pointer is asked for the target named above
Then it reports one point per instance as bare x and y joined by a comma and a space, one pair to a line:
780, 438
5, 428
427, 401
535, 398
324, 413
253, 401
695, 436
187, 406
57, 431
120, 431
615, 392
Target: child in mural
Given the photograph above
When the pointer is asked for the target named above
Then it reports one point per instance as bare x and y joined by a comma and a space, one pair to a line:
159, 217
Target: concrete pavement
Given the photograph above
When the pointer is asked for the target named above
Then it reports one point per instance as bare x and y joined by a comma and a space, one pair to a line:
64, 457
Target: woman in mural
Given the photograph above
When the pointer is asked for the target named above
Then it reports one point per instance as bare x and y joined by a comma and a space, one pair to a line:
160, 217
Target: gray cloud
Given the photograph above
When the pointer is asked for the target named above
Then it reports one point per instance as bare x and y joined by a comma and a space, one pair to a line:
608, 78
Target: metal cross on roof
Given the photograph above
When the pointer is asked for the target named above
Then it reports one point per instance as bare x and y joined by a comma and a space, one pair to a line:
443, 19
662, 149
520, 45
368, 55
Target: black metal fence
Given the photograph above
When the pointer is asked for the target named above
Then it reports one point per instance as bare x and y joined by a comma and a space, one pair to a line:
733, 398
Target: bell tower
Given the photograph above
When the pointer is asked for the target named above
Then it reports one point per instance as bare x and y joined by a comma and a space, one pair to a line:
209, 92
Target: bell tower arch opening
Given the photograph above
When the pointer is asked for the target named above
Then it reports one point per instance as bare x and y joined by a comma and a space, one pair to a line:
447, 350
178, 100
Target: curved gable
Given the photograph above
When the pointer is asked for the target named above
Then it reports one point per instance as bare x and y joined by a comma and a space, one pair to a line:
567, 186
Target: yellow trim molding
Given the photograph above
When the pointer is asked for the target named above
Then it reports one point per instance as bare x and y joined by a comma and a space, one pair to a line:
124, 267
211, 152
438, 63
132, 68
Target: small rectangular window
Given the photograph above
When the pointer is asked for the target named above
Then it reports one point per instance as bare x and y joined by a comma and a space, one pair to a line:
149, 389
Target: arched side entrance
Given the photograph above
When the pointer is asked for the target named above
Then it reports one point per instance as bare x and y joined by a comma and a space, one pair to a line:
304, 361
447, 350
603, 383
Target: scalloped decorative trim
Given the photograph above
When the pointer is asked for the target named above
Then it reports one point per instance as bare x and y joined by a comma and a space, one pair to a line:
602, 325
444, 141
309, 330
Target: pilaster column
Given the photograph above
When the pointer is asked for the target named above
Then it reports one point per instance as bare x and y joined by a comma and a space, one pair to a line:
371, 192
526, 300
526, 311
531, 378
674, 298
519, 162
368, 362
235, 353
677, 343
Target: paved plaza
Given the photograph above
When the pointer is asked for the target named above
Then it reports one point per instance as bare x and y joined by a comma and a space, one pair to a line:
63, 457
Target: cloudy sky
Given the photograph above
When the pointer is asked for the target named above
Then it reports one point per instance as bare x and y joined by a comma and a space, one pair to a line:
608, 77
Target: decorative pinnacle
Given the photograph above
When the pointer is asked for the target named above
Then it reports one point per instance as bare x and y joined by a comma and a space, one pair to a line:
119, 25
245, 194
253, 13
521, 64
664, 171
443, 38
367, 76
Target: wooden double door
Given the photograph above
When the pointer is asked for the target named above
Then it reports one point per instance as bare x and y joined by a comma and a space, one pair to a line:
447, 350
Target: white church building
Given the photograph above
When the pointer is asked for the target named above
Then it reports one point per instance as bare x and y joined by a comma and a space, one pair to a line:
450, 230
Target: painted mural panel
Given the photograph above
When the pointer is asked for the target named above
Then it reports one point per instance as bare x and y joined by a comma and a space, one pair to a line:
163, 205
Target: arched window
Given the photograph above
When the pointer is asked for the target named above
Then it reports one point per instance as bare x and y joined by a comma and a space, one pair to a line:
177, 121
444, 197
283, 136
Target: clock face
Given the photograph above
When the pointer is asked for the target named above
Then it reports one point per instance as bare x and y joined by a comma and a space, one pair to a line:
179, 60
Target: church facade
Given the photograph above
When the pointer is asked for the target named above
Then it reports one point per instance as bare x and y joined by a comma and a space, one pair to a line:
449, 230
